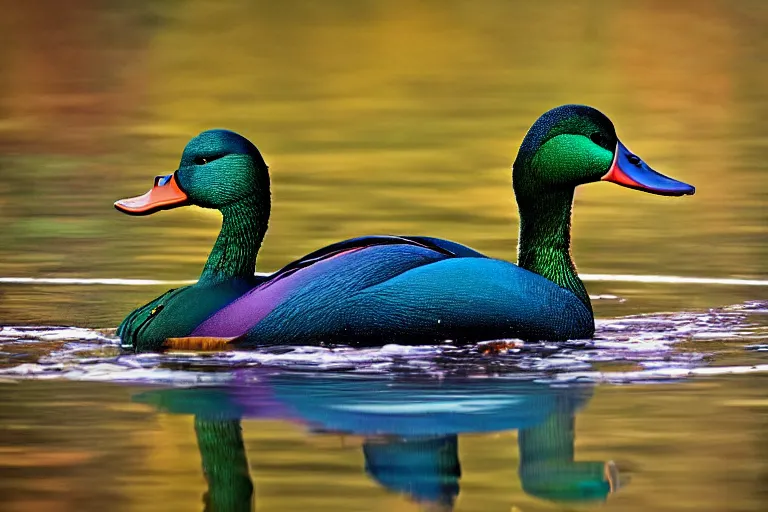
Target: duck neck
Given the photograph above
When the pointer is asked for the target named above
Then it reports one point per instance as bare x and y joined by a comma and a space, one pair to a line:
242, 231
544, 244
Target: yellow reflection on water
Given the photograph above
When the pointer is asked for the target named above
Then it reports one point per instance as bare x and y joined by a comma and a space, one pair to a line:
694, 446
377, 117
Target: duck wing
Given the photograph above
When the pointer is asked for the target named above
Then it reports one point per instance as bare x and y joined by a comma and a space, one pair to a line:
444, 247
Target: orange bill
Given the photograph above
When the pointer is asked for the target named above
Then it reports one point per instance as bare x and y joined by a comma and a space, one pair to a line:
164, 195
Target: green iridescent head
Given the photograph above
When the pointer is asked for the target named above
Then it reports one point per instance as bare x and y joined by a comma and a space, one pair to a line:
218, 168
575, 144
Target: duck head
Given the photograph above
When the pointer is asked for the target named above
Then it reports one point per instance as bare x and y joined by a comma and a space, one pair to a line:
222, 170
218, 168
575, 144
566, 147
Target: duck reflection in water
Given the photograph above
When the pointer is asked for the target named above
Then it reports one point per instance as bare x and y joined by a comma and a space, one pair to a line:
410, 430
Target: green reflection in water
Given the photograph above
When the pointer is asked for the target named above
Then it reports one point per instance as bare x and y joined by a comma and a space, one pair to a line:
87, 447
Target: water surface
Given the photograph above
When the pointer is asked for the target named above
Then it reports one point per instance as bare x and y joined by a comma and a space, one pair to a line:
382, 117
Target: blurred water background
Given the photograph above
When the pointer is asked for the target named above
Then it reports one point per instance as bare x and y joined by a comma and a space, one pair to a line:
396, 117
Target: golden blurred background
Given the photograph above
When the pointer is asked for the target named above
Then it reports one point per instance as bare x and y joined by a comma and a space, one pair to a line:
386, 116
375, 117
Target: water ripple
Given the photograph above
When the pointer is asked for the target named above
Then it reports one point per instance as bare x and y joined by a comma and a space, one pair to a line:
636, 348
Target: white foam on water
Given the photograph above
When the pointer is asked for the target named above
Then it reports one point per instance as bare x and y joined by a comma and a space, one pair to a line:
42, 333
111, 372
657, 374
648, 344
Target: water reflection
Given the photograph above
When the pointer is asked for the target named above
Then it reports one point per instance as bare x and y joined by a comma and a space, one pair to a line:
410, 431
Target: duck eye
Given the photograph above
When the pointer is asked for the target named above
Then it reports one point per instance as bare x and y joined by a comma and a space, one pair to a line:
199, 160
597, 138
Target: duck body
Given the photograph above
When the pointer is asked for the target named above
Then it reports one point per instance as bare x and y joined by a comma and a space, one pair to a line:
405, 290
369, 291
376, 290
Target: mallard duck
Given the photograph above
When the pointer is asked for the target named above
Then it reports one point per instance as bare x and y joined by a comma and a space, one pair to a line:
374, 290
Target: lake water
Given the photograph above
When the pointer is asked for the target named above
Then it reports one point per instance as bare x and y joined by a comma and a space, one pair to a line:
384, 117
